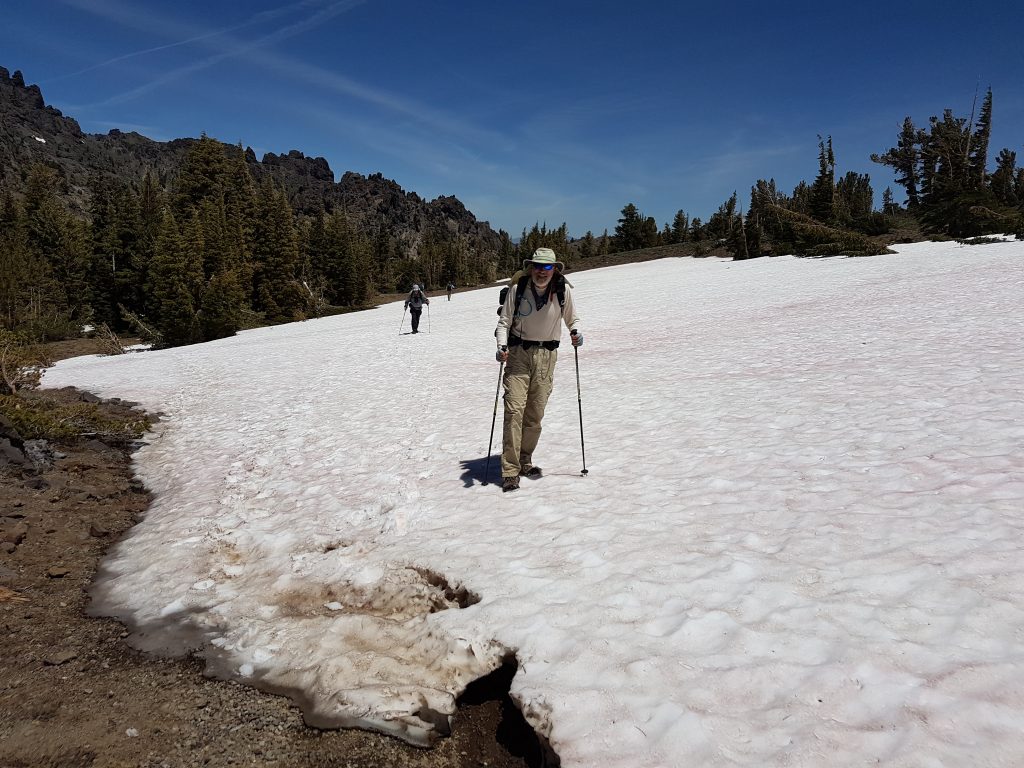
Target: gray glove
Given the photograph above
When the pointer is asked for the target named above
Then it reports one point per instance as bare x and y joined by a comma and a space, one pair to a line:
501, 355
577, 338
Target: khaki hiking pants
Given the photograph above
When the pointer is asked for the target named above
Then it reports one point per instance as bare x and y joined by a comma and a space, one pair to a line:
528, 378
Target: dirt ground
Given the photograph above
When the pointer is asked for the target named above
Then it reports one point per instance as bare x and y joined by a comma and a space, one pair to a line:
73, 694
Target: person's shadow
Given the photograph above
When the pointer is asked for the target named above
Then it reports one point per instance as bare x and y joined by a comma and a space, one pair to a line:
477, 471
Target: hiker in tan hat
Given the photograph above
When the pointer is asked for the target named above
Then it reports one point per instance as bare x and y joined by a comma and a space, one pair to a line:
539, 300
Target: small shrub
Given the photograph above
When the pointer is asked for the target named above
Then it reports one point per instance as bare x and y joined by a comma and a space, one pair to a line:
109, 342
979, 240
53, 327
21, 363
38, 418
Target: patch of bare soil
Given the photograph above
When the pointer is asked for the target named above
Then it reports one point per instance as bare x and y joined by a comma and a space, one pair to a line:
86, 345
73, 694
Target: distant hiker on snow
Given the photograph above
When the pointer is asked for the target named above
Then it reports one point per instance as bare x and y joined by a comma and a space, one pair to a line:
451, 287
538, 299
415, 304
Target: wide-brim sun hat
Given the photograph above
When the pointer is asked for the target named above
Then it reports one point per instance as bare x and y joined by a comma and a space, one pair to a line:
544, 256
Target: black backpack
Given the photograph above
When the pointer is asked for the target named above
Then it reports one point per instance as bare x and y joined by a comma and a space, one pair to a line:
559, 285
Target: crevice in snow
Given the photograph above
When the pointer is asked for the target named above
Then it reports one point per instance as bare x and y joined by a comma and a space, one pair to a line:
457, 594
514, 733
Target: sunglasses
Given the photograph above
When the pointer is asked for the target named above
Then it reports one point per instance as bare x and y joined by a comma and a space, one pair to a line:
545, 267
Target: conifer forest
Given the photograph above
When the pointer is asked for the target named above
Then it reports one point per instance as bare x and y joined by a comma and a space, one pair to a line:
209, 249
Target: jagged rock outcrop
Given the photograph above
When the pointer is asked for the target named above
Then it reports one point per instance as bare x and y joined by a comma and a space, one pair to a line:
31, 132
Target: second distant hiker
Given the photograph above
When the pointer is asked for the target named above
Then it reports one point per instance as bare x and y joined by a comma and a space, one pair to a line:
415, 304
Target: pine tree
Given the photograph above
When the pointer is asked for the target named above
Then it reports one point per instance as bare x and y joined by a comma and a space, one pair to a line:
313, 250
118, 252
823, 189
680, 227
588, 245
978, 155
736, 240
649, 236
722, 221
754, 236
629, 232
854, 200
105, 251
60, 242
222, 252
889, 208
203, 174
1003, 179
506, 253
26, 288
276, 291
171, 303
946, 153
953, 200
217, 288
765, 230
214, 189
221, 306
348, 256
240, 207
905, 160
800, 201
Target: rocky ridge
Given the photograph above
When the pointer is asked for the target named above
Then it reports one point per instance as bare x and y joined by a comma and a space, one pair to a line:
32, 132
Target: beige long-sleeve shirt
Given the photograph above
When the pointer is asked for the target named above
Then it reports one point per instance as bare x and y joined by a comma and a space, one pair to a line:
527, 322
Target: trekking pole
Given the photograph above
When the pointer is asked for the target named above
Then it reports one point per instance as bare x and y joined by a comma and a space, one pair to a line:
579, 400
403, 321
428, 318
494, 419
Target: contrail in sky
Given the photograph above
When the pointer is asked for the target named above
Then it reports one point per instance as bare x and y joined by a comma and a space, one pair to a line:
111, 12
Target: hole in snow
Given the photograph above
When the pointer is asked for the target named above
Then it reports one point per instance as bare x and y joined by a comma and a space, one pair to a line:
488, 700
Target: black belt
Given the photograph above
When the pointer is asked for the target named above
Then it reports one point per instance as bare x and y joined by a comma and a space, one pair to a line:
515, 341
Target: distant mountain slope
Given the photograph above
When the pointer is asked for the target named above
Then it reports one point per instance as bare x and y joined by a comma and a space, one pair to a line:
32, 132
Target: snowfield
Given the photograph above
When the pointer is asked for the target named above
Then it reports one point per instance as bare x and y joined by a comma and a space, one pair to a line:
798, 544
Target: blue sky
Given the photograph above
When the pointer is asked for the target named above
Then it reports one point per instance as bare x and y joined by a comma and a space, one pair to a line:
531, 111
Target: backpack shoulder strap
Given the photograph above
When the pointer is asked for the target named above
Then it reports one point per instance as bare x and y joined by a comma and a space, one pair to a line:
521, 289
560, 290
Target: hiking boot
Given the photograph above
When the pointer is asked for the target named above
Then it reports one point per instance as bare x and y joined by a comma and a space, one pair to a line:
510, 484
533, 472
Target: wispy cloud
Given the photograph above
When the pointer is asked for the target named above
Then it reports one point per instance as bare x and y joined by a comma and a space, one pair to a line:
117, 12
256, 52
128, 15
297, 71
451, 148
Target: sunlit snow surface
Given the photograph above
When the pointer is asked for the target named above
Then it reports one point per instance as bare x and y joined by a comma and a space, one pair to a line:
799, 542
